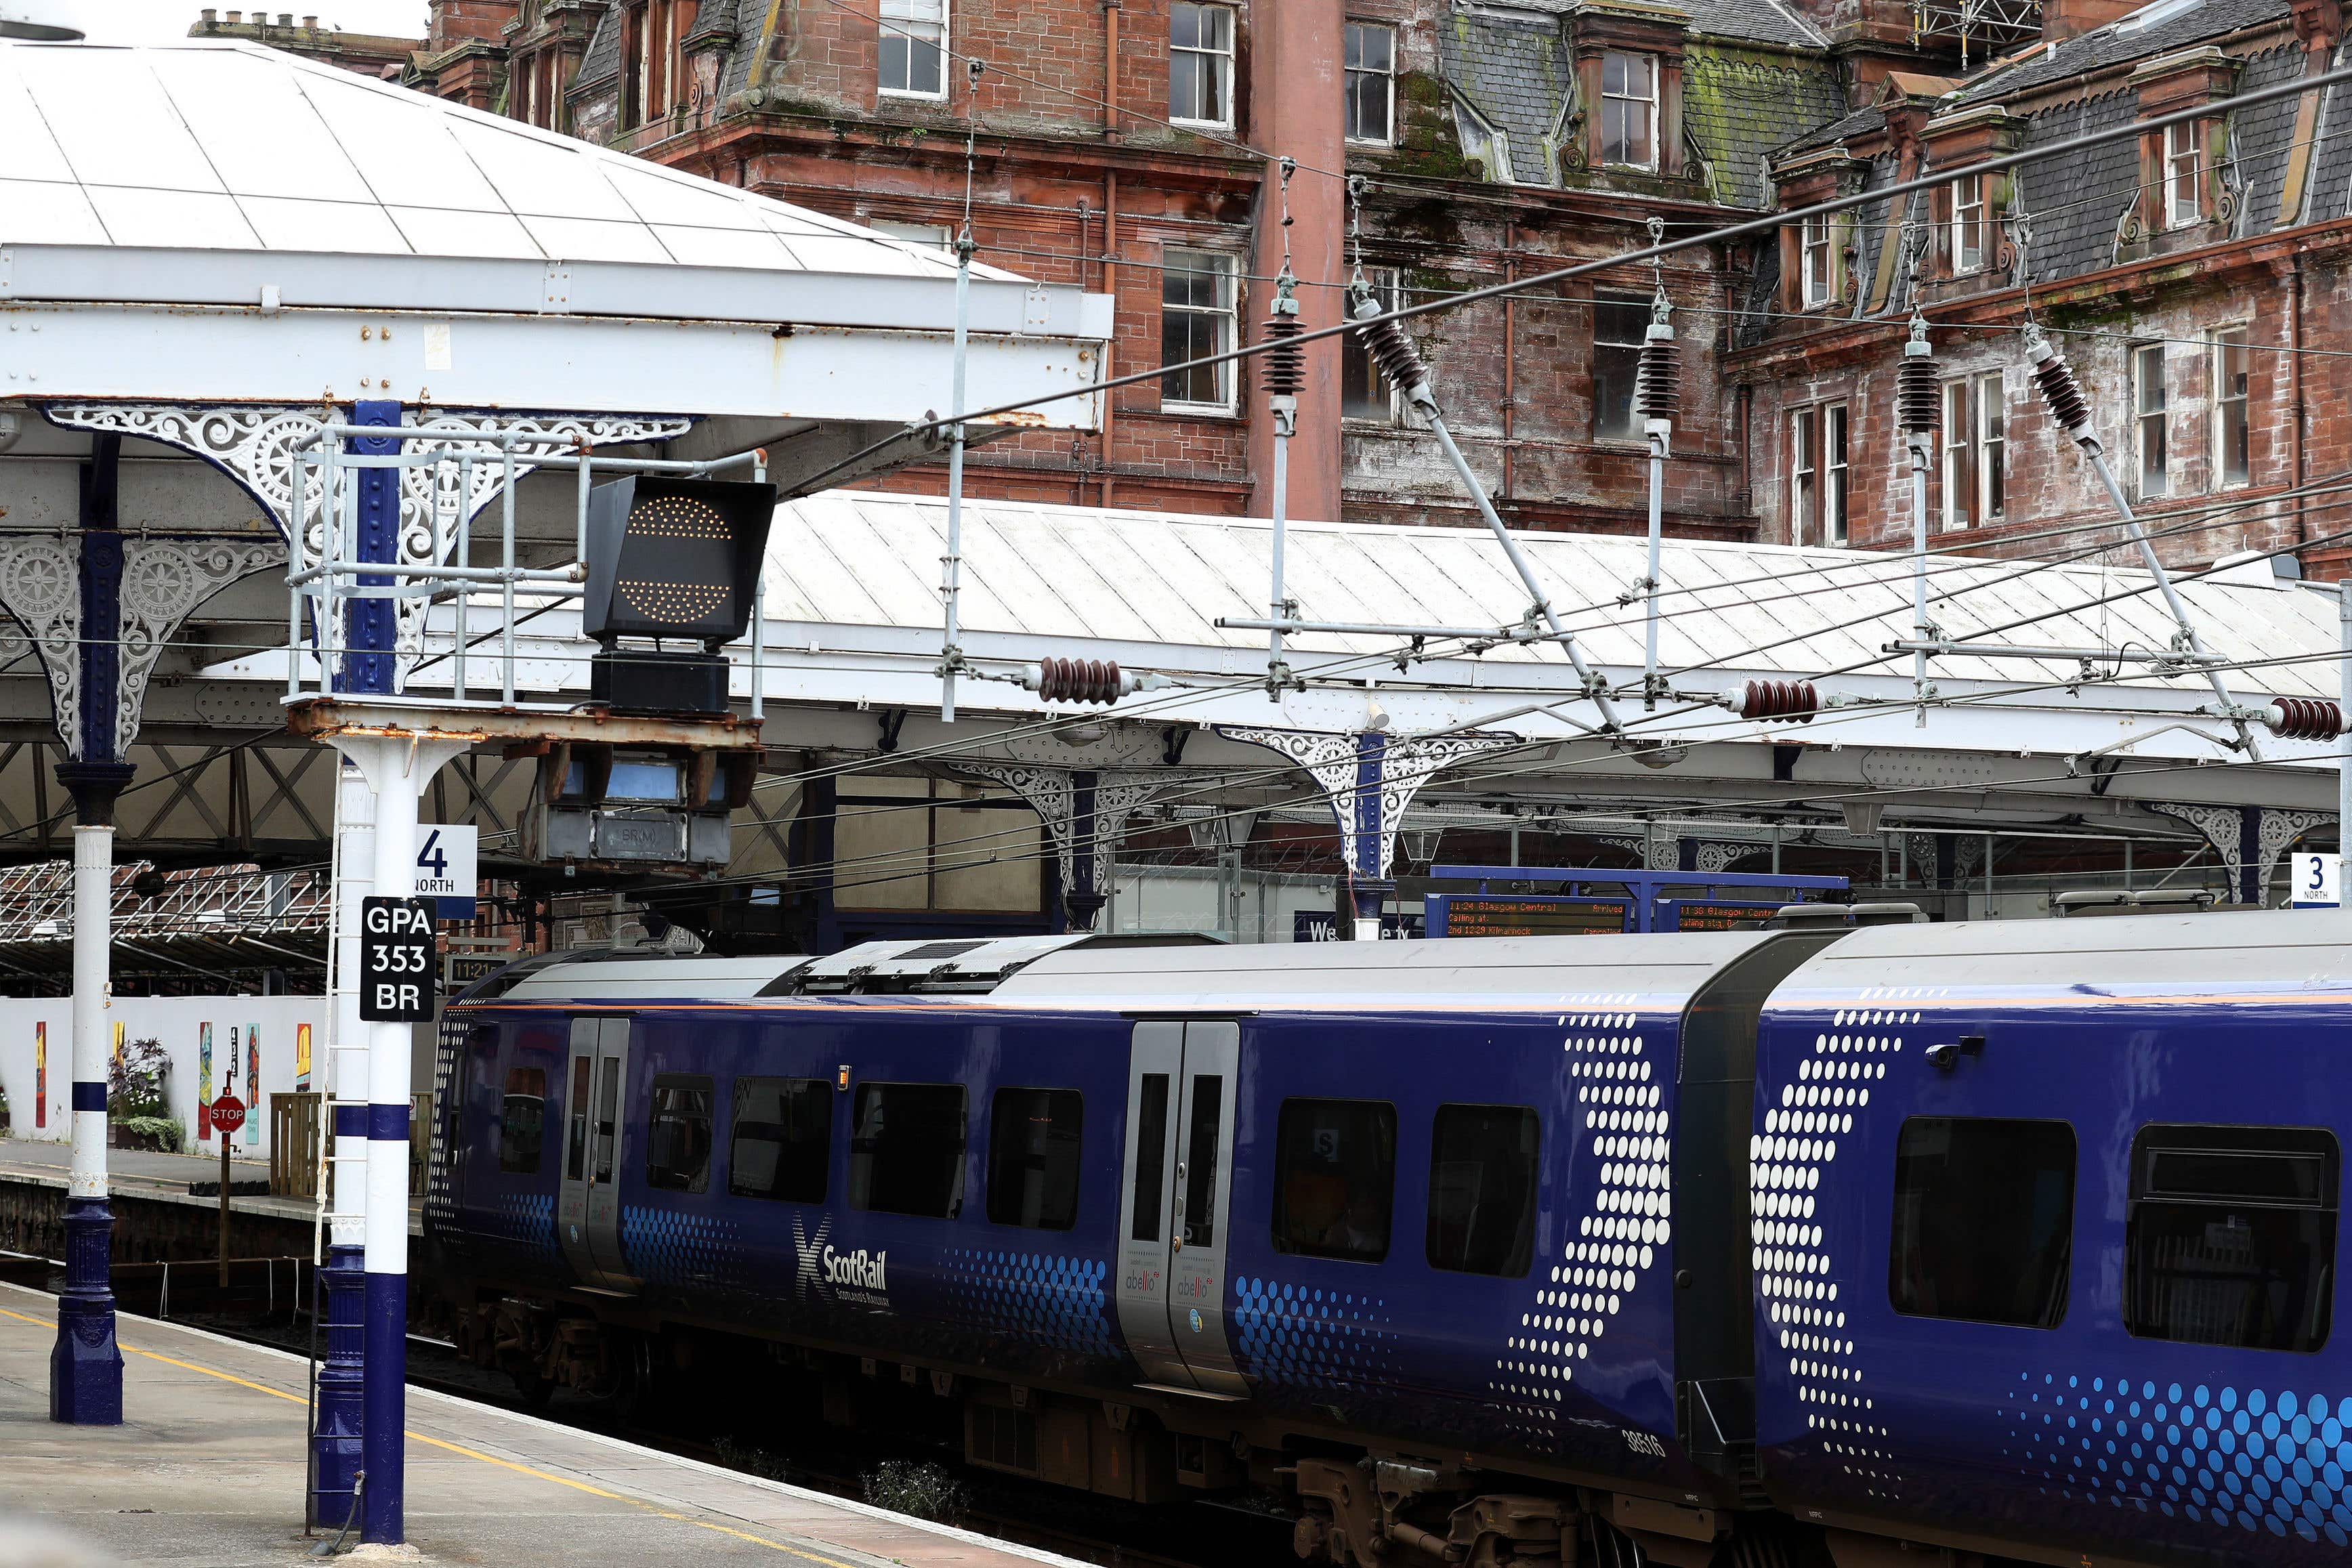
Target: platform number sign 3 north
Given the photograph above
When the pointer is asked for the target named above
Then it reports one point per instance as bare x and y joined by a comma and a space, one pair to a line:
2318, 881
396, 960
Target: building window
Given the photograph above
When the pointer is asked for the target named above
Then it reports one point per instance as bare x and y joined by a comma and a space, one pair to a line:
1817, 263
1196, 320
1364, 392
781, 1140
1837, 479
1619, 327
1804, 474
906, 1155
914, 48
1969, 223
2231, 458
1032, 1158
1335, 1178
650, 34
677, 1136
1629, 111
1201, 64
2183, 152
1482, 1190
935, 237
2148, 417
1984, 1220
522, 1120
1976, 451
2230, 1236
1371, 83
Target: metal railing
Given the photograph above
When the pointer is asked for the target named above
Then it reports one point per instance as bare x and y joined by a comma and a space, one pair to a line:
334, 577
37, 901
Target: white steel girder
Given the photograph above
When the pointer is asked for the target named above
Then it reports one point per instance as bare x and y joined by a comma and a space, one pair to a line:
209, 354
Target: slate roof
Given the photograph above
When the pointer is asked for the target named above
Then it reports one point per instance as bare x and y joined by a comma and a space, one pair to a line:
1740, 104
751, 44
602, 59
2076, 203
2117, 44
2331, 177
1517, 75
1754, 21
2260, 136
1867, 121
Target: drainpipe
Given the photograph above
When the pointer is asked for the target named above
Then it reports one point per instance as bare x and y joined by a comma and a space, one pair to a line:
2294, 370
1111, 286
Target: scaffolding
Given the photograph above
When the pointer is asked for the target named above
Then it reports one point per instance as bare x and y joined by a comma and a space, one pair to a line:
1984, 29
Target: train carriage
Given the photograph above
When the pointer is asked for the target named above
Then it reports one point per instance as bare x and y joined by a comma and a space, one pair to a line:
1809, 1243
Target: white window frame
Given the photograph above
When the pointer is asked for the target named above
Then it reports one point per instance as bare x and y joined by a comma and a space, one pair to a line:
1645, 104
1990, 401
1633, 430
1356, 33
898, 20
2224, 339
2184, 158
1388, 287
932, 236
1216, 61
1959, 466
1969, 205
1817, 237
2151, 446
1174, 259
1837, 475
1804, 473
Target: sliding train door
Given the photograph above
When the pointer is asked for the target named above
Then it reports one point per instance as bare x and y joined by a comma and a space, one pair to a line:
1183, 1080
588, 1209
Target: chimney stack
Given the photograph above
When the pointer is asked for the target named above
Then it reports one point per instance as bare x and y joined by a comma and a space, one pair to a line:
2063, 19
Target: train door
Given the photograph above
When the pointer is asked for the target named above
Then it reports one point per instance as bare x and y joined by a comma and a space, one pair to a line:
1183, 1080
588, 1214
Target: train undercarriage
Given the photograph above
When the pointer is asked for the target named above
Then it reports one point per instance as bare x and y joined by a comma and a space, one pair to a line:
1353, 1506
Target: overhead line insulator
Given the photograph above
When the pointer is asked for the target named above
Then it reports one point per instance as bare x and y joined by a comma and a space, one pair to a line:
1657, 376
1785, 702
1390, 349
2056, 380
1079, 680
2306, 719
1917, 388
1282, 369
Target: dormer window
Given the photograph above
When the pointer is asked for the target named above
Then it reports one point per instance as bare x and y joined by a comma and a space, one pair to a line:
1629, 111
2183, 152
1817, 247
1969, 223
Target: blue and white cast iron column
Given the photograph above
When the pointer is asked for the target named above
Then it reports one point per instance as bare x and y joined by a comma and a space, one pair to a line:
336, 1438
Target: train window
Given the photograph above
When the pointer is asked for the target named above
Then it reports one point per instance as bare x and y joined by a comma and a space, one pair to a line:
1150, 1158
523, 1119
575, 1156
2232, 1236
1482, 1190
1200, 1167
1032, 1158
780, 1141
1335, 1181
608, 1116
1984, 1220
677, 1139
906, 1154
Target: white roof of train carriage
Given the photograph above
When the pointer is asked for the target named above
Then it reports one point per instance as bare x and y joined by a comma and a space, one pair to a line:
221, 174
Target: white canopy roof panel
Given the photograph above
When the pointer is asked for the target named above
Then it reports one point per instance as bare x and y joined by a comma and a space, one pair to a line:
219, 144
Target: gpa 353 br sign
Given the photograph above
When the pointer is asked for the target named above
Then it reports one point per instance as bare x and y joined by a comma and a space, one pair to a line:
396, 960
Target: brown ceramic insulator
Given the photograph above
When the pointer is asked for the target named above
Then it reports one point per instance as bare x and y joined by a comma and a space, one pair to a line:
1794, 702
1917, 392
1658, 380
1282, 369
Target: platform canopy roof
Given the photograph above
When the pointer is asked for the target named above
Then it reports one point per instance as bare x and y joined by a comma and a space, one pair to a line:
279, 196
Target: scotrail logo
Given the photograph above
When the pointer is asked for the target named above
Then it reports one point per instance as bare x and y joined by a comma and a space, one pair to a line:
858, 1270
861, 1278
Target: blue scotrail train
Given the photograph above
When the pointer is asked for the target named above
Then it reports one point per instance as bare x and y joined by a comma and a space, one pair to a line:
1898, 1243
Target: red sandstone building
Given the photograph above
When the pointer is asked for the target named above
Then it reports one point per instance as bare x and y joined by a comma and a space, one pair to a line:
1494, 138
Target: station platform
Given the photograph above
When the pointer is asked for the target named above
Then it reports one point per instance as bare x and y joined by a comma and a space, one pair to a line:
164, 1178
208, 1468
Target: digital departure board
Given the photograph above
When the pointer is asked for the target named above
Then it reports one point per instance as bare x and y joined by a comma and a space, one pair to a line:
1466, 915
1697, 915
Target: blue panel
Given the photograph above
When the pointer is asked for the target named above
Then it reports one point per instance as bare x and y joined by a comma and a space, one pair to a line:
369, 628
101, 647
89, 1096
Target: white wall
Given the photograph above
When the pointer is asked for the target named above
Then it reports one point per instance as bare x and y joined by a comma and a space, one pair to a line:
176, 1023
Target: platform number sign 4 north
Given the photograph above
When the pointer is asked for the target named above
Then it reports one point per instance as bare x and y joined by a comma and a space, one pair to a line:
396, 960
446, 867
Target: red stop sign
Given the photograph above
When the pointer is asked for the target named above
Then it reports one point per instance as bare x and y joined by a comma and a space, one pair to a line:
228, 1114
